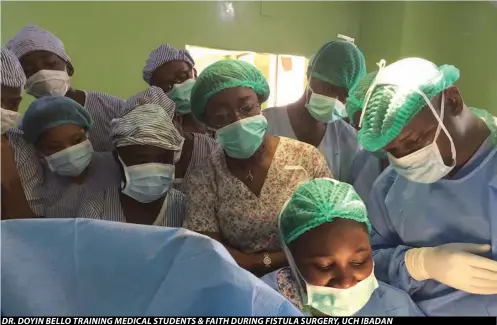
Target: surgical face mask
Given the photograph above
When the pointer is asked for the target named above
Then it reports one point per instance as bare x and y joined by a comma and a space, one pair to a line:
180, 94
341, 302
242, 138
426, 165
10, 119
48, 83
325, 109
71, 161
147, 182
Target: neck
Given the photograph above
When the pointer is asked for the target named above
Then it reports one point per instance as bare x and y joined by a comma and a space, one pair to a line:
80, 178
76, 95
468, 139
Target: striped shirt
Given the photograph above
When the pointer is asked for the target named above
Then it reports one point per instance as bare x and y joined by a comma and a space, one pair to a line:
102, 108
98, 198
203, 146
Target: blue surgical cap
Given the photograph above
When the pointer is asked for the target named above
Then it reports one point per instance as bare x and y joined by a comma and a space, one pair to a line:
48, 112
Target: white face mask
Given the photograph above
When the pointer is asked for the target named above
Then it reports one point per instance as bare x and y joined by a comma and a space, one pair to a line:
325, 109
426, 165
48, 83
341, 302
10, 119
147, 182
71, 161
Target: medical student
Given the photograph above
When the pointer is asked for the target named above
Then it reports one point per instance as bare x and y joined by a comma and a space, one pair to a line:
14, 203
49, 70
173, 71
148, 147
434, 210
65, 178
324, 230
317, 118
101, 268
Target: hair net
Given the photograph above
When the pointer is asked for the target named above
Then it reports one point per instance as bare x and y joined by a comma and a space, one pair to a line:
317, 202
339, 63
355, 101
33, 38
52, 111
222, 75
147, 120
163, 54
393, 99
12, 74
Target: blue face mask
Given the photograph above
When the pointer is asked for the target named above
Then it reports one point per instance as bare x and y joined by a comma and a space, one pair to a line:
147, 182
71, 161
180, 94
325, 109
242, 138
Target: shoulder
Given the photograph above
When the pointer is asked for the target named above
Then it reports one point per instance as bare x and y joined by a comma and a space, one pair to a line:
102, 99
204, 143
385, 181
296, 145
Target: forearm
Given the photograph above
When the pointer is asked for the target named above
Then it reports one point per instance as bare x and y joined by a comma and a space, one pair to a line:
14, 203
253, 262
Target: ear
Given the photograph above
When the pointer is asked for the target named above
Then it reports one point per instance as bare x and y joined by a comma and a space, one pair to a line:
195, 75
453, 101
70, 69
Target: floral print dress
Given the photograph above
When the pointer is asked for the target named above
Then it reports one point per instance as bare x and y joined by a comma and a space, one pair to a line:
219, 202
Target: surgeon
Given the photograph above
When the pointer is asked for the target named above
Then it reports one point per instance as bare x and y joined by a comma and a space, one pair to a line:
318, 116
14, 203
434, 211
173, 71
116, 269
73, 180
366, 166
324, 229
49, 70
148, 147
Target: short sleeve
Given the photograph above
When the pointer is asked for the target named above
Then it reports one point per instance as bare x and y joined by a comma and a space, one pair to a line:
201, 195
320, 166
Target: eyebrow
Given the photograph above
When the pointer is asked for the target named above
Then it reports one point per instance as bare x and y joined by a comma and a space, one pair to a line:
357, 251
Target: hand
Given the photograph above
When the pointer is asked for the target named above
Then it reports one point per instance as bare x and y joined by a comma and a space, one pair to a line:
455, 265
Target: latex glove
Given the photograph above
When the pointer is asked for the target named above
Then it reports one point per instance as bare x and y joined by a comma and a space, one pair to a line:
455, 265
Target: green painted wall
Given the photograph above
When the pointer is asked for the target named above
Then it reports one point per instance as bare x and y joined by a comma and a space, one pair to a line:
463, 34
109, 41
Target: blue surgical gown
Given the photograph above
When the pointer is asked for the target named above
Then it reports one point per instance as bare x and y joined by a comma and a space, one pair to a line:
364, 171
82, 267
339, 144
463, 209
385, 300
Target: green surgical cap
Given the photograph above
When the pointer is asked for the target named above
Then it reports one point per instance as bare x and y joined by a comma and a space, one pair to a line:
355, 101
222, 75
394, 100
51, 111
317, 202
339, 63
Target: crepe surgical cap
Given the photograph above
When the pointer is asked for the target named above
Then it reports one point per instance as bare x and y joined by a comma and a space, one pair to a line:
339, 63
222, 75
394, 99
33, 38
51, 111
319, 201
12, 74
147, 120
163, 54
355, 101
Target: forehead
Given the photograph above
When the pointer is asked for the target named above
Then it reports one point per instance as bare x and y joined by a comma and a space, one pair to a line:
11, 92
230, 97
134, 150
38, 56
323, 86
62, 133
169, 69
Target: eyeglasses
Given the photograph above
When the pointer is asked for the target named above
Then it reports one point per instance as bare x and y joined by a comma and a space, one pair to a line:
227, 116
